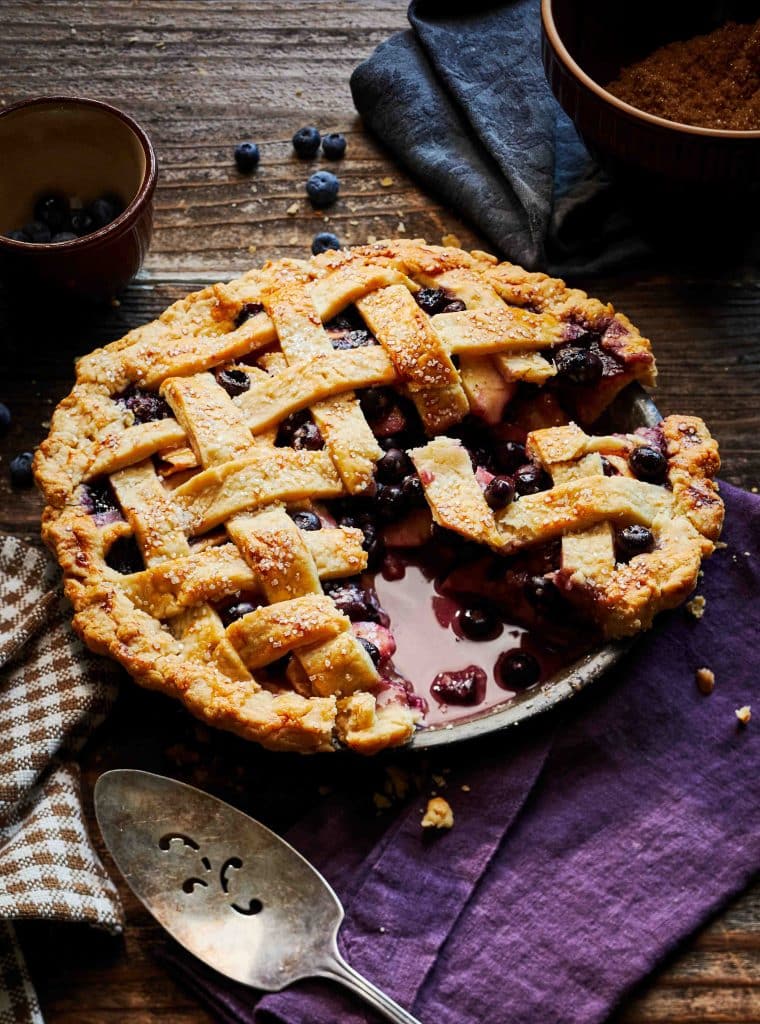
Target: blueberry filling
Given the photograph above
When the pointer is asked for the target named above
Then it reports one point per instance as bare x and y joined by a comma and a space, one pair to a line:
391, 503
394, 466
247, 310
234, 382
377, 402
236, 611
517, 670
499, 492
530, 479
508, 456
468, 686
125, 556
578, 365
353, 339
307, 438
478, 623
633, 540
98, 497
371, 650
648, 464
455, 306
542, 594
144, 405
353, 600
305, 520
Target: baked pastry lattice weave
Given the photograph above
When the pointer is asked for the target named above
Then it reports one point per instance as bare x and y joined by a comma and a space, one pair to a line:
202, 458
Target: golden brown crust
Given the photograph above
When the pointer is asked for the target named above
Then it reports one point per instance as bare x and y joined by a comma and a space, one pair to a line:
220, 469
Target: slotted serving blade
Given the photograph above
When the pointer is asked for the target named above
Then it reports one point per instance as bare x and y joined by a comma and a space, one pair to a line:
226, 887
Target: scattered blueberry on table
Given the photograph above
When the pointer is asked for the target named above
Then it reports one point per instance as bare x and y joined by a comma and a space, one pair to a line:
5, 417
58, 218
323, 241
322, 188
334, 145
247, 157
306, 142
21, 470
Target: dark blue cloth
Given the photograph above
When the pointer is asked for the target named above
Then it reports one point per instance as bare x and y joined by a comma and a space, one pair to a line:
463, 102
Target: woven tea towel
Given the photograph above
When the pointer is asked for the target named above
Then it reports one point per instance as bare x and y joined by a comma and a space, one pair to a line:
53, 695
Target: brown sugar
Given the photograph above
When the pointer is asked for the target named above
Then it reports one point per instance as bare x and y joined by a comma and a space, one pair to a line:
711, 80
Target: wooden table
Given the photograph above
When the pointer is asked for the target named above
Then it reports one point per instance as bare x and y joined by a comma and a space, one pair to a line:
202, 76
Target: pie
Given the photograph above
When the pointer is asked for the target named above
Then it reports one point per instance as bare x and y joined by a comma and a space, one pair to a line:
222, 483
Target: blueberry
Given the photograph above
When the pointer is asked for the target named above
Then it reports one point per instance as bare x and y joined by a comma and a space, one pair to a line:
500, 492
353, 339
322, 188
334, 145
375, 553
530, 479
308, 438
306, 142
324, 241
455, 306
21, 470
309, 521
349, 598
289, 425
649, 464
100, 497
246, 156
236, 611
478, 624
607, 468
37, 232
125, 556
468, 686
81, 222
431, 300
145, 406
234, 382
104, 210
371, 650
18, 236
412, 489
394, 466
391, 502
52, 210
633, 540
247, 310
508, 456
517, 670
542, 594
578, 365
376, 402
5, 417
64, 236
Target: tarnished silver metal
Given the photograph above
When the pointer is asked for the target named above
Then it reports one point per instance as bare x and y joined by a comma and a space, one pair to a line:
631, 409
228, 889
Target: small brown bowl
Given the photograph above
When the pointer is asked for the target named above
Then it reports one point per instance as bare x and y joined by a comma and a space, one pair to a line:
585, 43
75, 147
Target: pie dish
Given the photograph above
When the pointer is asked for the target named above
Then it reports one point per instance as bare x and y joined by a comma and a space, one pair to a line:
222, 483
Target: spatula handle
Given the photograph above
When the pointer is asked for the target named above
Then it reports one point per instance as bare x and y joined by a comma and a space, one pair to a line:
340, 971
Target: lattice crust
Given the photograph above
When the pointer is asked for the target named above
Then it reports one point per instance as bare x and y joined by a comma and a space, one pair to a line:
204, 492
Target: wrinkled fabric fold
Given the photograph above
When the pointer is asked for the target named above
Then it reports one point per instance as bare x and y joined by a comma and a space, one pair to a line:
589, 844
462, 101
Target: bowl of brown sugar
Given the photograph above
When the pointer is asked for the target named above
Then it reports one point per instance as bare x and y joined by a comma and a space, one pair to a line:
667, 91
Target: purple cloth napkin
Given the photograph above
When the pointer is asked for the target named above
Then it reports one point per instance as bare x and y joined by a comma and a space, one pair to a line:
587, 847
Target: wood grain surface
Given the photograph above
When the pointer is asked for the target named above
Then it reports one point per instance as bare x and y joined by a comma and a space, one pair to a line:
202, 75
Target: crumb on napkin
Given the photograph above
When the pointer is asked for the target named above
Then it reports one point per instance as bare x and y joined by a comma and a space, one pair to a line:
744, 714
696, 606
705, 680
438, 814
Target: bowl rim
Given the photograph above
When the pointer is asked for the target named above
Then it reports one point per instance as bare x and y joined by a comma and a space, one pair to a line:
131, 211
563, 54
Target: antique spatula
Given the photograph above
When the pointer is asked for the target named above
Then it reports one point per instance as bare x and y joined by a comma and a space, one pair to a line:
227, 888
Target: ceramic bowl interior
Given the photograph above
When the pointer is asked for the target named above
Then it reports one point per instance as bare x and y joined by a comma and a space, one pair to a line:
74, 147
603, 37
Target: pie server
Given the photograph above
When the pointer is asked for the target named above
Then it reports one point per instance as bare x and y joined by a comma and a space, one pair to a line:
225, 887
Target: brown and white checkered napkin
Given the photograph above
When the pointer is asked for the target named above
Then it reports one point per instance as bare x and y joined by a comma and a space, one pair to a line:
53, 695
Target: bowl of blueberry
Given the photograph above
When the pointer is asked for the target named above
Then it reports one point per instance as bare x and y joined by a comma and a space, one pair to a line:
76, 195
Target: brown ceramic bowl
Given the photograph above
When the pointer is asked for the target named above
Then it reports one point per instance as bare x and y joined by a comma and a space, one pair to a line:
585, 43
76, 147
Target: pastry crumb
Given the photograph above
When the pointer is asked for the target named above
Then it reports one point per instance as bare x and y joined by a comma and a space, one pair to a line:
292, 210
744, 714
401, 227
705, 680
465, 789
720, 544
438, 814
452, 240
696, 607
381, 802
386, 182
439, 781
